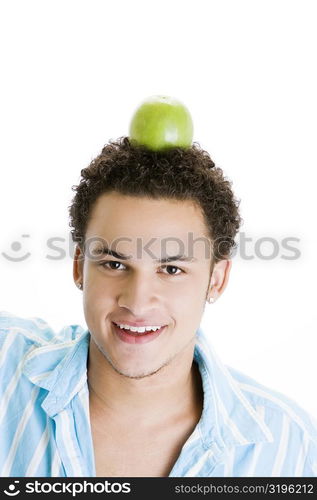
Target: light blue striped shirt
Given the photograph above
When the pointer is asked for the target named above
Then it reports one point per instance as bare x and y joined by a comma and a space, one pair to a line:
245, 430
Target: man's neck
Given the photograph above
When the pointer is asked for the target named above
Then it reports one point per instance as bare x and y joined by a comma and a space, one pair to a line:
172, 393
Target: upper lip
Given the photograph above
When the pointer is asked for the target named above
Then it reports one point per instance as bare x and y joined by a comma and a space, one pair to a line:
137, 323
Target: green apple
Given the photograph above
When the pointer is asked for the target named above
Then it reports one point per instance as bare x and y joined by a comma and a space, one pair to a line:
161, 122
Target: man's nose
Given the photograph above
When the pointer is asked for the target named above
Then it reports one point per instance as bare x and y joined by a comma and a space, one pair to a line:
139, 295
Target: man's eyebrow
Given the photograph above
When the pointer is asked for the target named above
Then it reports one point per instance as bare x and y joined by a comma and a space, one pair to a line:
172, 258
163, 260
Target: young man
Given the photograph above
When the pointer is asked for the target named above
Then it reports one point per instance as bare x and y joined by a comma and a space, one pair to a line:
141, 392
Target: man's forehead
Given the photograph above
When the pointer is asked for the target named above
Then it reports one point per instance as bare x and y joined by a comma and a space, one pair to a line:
156, 228
114, 215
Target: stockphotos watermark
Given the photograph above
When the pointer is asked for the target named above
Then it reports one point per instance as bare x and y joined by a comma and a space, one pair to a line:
73, 488
57, 248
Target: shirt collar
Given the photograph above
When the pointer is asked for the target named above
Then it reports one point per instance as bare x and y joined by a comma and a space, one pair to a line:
61, 369
228, 418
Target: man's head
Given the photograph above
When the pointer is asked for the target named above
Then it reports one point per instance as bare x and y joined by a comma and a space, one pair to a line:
146, 206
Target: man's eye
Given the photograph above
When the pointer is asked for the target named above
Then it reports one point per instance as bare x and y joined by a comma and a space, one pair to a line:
114, 265
110, 264
173, 268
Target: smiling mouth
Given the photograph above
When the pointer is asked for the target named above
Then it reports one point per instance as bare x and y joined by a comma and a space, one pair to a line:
130, 337
139, 331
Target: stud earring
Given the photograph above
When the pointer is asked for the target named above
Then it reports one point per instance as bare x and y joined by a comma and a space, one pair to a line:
79, 285
210, 299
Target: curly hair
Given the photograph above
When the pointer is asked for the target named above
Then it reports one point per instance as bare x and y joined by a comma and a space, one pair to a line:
177, 173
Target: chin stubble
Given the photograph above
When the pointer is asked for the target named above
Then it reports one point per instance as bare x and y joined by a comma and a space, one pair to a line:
143, 375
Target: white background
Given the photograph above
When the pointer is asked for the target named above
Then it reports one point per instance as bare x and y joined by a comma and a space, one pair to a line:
73, 72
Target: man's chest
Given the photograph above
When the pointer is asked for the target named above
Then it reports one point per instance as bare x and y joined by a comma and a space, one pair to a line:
124, 454
133, 459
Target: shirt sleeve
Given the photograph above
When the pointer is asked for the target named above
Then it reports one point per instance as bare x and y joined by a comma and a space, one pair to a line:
34, 328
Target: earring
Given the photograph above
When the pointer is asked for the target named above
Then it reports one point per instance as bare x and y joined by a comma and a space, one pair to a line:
210, 299
79, 285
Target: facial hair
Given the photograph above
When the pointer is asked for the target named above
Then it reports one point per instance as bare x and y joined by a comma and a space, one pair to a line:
143, 375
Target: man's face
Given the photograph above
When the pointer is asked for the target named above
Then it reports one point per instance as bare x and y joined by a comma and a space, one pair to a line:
141, 289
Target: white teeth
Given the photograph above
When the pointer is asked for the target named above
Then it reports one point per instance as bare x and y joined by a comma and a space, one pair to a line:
140, 329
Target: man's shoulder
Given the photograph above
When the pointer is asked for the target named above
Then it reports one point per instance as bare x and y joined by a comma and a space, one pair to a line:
21, 335
275, 406
293, 447
30, 330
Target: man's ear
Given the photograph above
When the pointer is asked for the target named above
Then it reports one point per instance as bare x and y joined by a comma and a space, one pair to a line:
78, 265
219, 278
